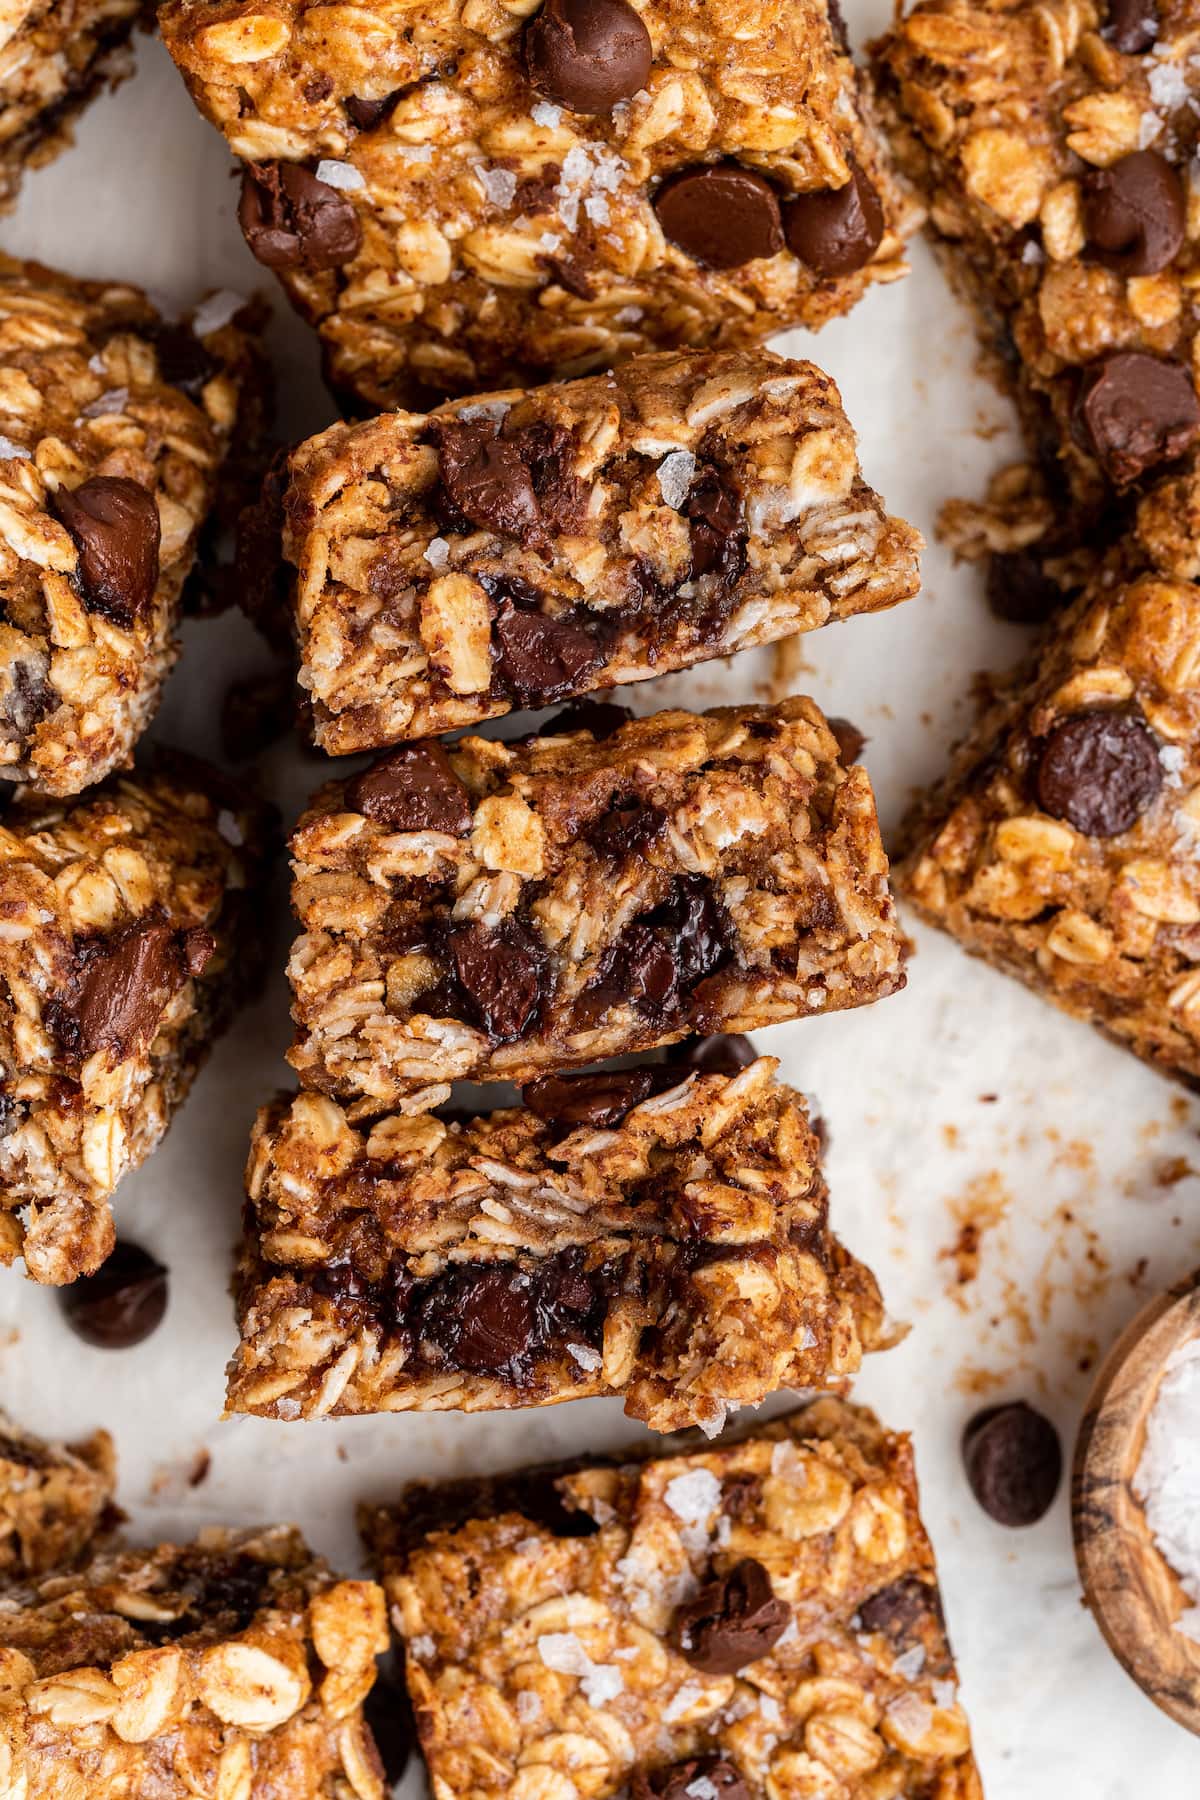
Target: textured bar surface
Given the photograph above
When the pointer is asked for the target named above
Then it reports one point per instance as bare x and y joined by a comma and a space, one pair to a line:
519, 549
757, 1620
55, 1499
495, 911
666, 1242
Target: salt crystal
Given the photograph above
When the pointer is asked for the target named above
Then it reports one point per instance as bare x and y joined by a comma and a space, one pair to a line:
586, 1357
437, 553
682, 1701
287, 1409
576, 167
423, 1648
529, 1706
500, 185
944, 1693
1172, 760
494, 410
8, 449
216, 310
909, 1665
1167, 1481
545, 113
1168, 83
1149, 127
340, 175
675, 475
562, 1650
701, 1789
911, 1715
418, 153
1032, 252
596, 208
115, 400
693, 1497
231, 831
770, 1710
550, 241
529, 1546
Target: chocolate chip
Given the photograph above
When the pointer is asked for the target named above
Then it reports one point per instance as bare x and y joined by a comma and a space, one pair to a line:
122, 1303
662, 955
600, 718
835, 231
587, 54
733, 1621
1132, 25
599, 1100
1014, 1463
366, 114
538, 659
627, 831
30, 696
293, 221
199, 948
1019, 590
480, 1319
849, 739
713, 1776
724, 1053
391, 1728
1135, 213
898, 1611
412, 789
1134, 411
486, 480
716, 532
1099, 771
121, 985
502, 973
182, 359
115, 528
720, 214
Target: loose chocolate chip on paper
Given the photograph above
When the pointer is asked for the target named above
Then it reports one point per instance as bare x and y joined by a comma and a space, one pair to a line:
1099, 771
412, 789
1135, 213
720, 214
1013, 1460
1132, 25
713, 1776
293, 221
537, 659
835, 231
122, 984
587, 54
115, 528
502, 972
724, 1053
732, 1621
602, 719
1019, 591
122, 1303
1134, 411
598, 1100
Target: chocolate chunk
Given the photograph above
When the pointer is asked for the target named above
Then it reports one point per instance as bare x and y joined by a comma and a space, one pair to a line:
1135, 213
391, 1728
716, 531
30, 696
481, 1320
366, 114
1019, 590
412, 789
1099, 771
182, 359
1132, 25
899, 1610
538, 659
199, 947
849, 739
115, 528
627, 831
724, 1053
293, 221
733, 1621
1134, 411
122, 1303
486, 480
587, 54
713, 1776
1014, 1462
720, 214
835, 231
601, 718
122, 984
663, 954
502, 972
599, 1100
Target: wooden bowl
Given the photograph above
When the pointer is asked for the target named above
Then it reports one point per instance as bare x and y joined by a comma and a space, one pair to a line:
1130, 1589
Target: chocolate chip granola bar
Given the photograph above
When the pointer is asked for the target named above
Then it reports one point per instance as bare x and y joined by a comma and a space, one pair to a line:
128, 932
1056, 147
55, 57
754, 1621
1063, 846
496, 911
114, 426
55, 1499
234, 1667
481, 195
652, 1232
519, 549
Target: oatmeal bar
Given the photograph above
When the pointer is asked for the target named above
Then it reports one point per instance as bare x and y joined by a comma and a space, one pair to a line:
55, 1499
758, 1619
652, 1232
515, 550
469, 195
55, 57
1063, 847
1055, 145
129, 933
234, 1667
114, 426
496, 911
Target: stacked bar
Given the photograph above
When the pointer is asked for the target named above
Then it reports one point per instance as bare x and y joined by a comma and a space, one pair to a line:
754, 1618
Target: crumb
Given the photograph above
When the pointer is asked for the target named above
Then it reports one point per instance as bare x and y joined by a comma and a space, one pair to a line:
988, 1099
1172, 1170
201, 1466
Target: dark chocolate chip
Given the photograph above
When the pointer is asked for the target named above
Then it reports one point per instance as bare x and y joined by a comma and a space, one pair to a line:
538, 659
587, 54
412, 789
317, 88
122, 1303
182, 359
898, 1611
720, 214
712, 1775
366, 114
717, 534
599, 1100
1099, 771
115, 528
502, 972
1014, 1462
486, 480
1135, 411
627, 831
1132, 25
221, 1592
1019, 590
122, 984
849, 739
733, 1620
391, 1728
835, 231
482, 1320
293, 221
724, 1053
660, 956
199, 947
1135, 213
600, 718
